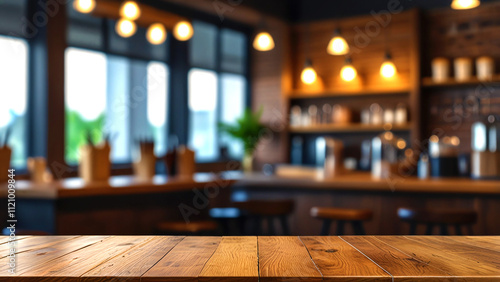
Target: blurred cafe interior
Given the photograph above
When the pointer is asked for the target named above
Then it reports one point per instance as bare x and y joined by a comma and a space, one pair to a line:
250, 117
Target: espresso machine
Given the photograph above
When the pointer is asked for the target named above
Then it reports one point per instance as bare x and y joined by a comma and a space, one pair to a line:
485, 156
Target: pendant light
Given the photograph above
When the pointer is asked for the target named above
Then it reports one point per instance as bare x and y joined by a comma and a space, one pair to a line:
308, 75
388, 69
263, 41
183, 31
464, 4
125, 28
84, 6
130, 10
348, 72
156, 34
337, 45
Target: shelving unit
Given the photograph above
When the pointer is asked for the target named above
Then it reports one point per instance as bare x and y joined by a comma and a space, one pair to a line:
429, 83
346, 128
348, 93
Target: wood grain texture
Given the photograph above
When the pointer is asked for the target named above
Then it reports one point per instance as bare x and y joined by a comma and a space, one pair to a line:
339, 261
43, 255
76, 263
445, 258
31, 243
185, 261
401, 266
285, 258
235, 259
132, 264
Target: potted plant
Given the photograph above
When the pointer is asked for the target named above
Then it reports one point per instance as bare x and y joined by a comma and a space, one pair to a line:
248, 129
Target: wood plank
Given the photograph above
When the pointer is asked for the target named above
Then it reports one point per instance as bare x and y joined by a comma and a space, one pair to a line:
5, 239
76, 263
131, 265
31, 243
454, 264
42, 256
401, 266
185, 261
339, 261
483, 259
485, 242
285, 258
235, 259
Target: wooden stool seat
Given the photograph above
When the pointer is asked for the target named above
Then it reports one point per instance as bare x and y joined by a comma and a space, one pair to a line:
354, 216
441, 217
269, 210
194, 227
341, 214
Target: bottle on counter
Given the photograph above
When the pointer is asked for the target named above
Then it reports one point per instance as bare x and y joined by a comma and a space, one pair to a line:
424, 167
485, 156
444, 156
333, 165
384, 155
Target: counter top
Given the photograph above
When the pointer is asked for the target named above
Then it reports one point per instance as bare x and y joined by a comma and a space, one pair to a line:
167, 258
129, 185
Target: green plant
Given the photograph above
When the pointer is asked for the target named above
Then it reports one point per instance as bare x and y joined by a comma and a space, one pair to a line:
248, 129
78, 133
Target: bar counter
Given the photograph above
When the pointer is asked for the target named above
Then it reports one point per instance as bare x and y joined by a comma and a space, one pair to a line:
165, 258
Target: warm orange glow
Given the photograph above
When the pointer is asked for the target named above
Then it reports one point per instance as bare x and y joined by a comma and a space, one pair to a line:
309, 75
338, 46
125, 28
388, 69
348, 73
464, 4
84, 6
130, 10
263, 42
156, 34
183, 31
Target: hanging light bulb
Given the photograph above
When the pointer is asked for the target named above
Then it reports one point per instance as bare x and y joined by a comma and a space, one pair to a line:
464, 4
84, 6
130, 10
308, 75
388, 69
337, 45
157, 34
183, 31
348, 72
263, 41
125, 28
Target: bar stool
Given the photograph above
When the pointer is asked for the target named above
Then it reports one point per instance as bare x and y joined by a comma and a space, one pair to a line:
353, 216
258, 211
444, 218
205, 227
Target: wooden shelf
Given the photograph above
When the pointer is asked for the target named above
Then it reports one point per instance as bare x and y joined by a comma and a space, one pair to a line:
428, 82
343, 128
347, 93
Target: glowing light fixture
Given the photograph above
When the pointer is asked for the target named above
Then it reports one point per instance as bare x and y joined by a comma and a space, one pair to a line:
183, 31
308, 75
263, 41
348, 72
464, 4
157, 34
388, 69
130, 10
84, 6
125, 28
337, 45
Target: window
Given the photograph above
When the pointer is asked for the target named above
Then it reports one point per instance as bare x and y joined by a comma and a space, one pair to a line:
14, 96
114, 96
217, 88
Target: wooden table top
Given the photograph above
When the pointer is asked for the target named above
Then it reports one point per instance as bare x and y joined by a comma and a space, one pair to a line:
168, 258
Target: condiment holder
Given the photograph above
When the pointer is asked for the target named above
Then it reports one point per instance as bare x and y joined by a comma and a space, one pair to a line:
186, 165
145, 163
5, 155
95, 164
38, 172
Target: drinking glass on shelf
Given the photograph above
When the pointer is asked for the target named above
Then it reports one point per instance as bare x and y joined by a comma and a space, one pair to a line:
376, 114
327, 113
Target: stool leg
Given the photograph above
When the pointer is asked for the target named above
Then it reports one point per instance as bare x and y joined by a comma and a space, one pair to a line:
325, 229
429, 229
357, 226
284, 225
444, 229
340, 227
413, 228
270, 225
